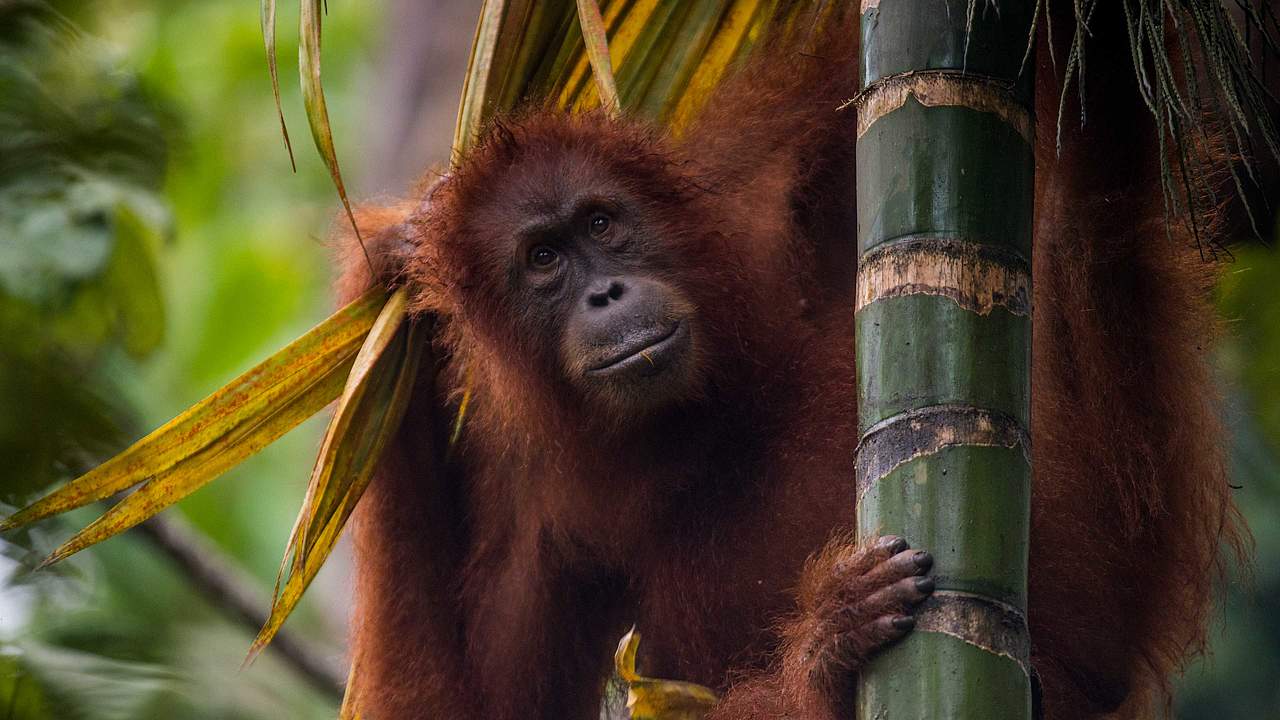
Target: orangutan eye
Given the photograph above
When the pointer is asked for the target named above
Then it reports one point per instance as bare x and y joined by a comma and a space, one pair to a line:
543, 257
599, 224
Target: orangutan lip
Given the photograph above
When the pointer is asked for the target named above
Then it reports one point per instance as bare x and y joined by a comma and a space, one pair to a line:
645, 351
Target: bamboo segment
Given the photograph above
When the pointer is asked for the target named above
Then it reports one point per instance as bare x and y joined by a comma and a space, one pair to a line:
943, 322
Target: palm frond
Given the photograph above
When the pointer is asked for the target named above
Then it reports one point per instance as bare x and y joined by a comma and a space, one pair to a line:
1194, 71
268, 12
376, 393
215, 434
597, 45
310, 20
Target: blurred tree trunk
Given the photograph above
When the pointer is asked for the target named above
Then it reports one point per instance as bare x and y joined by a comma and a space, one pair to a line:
424, 62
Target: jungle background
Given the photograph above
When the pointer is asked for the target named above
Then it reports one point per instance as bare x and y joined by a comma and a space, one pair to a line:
154, 242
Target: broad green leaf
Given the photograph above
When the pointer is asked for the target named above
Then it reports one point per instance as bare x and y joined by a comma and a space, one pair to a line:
368, 414
79, 685
20, 692
268, 10
78, 258
55, 237
132, 283
255, 395
651, 699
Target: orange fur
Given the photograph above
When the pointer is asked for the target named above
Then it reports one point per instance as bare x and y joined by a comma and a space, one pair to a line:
493, 583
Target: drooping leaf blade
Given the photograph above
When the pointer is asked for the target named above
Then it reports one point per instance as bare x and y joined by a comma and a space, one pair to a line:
498, 37
373, 402
268, 12
334, 473
197, 470
309, 33
254, 394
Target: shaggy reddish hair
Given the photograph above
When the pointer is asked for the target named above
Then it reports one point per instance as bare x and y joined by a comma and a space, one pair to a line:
494, 578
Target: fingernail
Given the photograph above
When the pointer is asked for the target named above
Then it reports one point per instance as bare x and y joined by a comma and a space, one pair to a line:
924, 584
894, 544
904, 622
923, 559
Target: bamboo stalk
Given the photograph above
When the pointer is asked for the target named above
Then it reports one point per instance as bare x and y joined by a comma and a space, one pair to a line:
944, 185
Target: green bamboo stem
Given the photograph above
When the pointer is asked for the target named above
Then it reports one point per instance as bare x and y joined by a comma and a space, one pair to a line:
944, 187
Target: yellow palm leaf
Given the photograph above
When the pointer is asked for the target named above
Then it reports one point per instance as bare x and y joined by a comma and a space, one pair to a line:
238, 420
652, 699
373, 401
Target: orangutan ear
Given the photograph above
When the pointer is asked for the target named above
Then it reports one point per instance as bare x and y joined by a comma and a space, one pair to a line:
379, 255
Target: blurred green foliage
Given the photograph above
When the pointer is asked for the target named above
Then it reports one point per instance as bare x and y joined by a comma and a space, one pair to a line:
1238, 680
153, 243
83, 150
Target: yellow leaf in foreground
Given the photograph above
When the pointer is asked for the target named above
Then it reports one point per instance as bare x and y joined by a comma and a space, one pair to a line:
368, 414
650, 699
196, 471
238, 419
348, 710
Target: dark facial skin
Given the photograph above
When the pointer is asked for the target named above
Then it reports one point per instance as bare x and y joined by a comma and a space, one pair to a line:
625, 336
